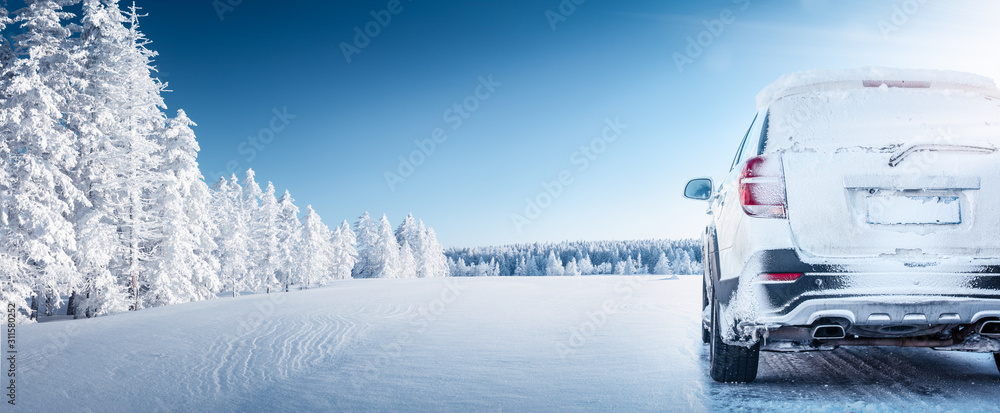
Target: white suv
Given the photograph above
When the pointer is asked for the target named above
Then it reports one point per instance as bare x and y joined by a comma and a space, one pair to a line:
861, 210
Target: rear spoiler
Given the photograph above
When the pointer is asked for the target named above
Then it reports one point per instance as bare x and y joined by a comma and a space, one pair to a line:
908, 84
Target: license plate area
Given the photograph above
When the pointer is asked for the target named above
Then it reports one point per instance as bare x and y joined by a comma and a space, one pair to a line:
908, 209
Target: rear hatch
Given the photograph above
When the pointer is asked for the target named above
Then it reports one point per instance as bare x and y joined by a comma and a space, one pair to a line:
890, 171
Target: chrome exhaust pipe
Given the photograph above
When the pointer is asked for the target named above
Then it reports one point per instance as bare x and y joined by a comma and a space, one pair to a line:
990, 328
829, 332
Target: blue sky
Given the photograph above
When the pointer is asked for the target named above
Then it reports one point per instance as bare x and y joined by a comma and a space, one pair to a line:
557, 91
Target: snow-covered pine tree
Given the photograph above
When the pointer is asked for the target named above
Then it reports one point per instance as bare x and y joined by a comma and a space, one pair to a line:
521, 269
531, 266
491, 269
184, 269
366, 230
663, 265
434, 262
116, 124
629, 266
344, 246
98, 244
572, 268
317, 250
408, 231
640, 268
267, 240
553, 265
234, 234
16, 283
586, 267
683, 264
384, 253
289, 240
460, 269
407, 262
42, 197
7, 56
250, 201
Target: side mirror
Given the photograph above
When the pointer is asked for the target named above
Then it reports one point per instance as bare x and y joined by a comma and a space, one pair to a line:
699, 189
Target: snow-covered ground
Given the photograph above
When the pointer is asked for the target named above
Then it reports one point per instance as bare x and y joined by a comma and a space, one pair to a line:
593, 343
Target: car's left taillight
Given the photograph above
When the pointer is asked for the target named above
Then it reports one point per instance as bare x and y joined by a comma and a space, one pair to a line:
762, 187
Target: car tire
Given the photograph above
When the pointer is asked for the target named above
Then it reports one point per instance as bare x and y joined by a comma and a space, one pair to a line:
996, 359
730, 364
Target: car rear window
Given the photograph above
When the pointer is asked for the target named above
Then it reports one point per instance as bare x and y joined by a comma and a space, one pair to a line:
881, 119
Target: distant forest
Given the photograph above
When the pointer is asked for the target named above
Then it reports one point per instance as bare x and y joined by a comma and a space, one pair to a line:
656, 256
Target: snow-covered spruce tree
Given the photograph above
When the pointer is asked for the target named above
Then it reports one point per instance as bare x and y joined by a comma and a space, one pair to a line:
488, 269
289, 240
434, 262
663, 265
318, 254
640, 268
184, 268
531, 266
572, 268
683, 264
407, 230
410, 233
384, 253
199, 208
234, 236
16, 284
268, 246
345, 250
586, 266
250, 202
553, 265
7, 57
521, 269
407, 262
366, 231
38, 237
117, 120
458, 268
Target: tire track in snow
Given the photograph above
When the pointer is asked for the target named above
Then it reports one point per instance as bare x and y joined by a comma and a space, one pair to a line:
281, 348
872, 374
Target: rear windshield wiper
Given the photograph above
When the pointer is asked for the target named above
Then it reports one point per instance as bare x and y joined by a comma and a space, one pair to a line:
897, 158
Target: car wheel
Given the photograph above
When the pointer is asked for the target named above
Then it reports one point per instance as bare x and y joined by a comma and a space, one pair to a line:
996, 359
730, 364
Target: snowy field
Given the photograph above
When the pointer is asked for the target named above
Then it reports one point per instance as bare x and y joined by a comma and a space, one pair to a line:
596, 343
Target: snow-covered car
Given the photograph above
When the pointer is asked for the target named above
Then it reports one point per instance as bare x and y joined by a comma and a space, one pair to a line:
862, 209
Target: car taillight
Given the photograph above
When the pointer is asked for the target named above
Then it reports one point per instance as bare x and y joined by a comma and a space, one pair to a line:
780, 277
762, 187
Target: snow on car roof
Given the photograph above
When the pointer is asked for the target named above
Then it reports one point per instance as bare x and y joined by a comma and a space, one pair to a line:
809, 80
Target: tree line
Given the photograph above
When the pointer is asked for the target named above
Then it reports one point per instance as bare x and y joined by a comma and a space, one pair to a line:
579, 258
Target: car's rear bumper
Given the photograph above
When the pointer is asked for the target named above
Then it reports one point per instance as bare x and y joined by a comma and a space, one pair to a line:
866, 293
883, 310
